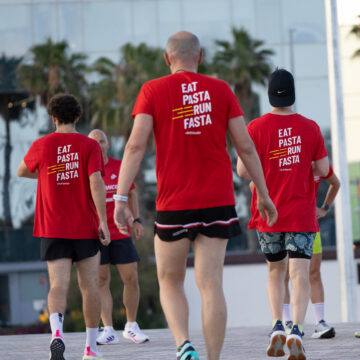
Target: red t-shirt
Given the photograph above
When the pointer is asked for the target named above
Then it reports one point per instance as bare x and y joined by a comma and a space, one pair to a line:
287, 145
112, 168
191, 113
317, 179
64, 206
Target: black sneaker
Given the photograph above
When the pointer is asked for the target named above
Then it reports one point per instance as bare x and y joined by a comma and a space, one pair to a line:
277, 340
295, 344
57, 347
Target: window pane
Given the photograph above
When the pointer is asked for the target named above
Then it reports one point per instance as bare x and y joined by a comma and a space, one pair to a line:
107, 25
15, 36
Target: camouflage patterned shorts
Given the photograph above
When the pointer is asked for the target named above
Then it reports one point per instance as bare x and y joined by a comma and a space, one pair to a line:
295, 244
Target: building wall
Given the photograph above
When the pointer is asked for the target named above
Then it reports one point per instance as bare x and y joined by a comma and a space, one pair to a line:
351, 91
100, 28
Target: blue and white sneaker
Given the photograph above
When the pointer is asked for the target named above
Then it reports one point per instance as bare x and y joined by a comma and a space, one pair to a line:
107, 337
295, 344
277, 340
187, 352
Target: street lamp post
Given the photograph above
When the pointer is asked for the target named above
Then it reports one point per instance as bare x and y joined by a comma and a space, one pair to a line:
344, 237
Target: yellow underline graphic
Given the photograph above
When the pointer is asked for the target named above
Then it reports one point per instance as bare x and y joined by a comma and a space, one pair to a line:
283, 149
185, 111
54, 166
56, 171
181, 116
182, 108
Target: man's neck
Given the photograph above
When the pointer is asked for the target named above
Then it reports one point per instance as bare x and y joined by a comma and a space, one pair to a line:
65, 128
106, 159
282, 111
177, 68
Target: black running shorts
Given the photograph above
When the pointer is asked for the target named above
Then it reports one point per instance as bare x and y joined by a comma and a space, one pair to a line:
220, 222
119, 252
75, 249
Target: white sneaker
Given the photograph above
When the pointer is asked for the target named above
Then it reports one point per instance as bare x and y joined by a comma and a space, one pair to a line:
107, 337
323, 331
133, 332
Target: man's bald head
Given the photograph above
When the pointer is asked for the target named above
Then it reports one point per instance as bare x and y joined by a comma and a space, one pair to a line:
183, 46
99, 136
97, 133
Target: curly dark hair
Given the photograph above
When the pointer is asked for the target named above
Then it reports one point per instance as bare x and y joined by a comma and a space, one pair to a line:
65, 108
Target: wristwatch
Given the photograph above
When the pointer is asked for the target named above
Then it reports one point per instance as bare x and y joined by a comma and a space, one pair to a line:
326, 207
138, 220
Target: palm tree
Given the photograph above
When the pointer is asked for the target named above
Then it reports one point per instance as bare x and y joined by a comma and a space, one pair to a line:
113, 97
241, 63
51, 69
8, 94
355, 30
8, 78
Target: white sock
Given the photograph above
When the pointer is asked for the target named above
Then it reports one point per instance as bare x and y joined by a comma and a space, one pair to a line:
130, 324
56, 323
109, 328
91, 335
319, 310
286, 313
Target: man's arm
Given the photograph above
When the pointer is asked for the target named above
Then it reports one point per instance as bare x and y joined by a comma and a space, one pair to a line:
134, 207
321, 167
98, 194
330, 195
249, 157
133, 155
23, 171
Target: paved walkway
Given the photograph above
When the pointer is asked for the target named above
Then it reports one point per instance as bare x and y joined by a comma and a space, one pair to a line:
240, 344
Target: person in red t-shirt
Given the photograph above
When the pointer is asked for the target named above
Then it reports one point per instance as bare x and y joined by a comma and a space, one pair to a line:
121, 252
69, 216
322, 329
287, 144
190, 115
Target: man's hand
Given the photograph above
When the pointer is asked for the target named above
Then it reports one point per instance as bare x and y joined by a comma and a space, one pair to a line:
267, 209
320, 212
138, 230
123, 217
104, 234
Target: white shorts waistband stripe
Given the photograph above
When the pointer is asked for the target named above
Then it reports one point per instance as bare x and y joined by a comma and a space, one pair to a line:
216, 222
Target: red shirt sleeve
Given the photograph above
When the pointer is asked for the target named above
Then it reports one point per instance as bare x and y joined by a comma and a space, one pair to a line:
234, 108
143, 104
132, 186
31, 159
319, 149
95, 160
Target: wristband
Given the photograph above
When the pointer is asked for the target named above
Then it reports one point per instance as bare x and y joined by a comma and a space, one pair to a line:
122, 198
138, 220
326, 207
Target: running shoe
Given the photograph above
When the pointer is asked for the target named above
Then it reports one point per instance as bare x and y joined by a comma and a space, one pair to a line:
92, 355
295, 345
187, 352
107, 337
277, 340
57, 347
323, 331
288, 327
133, 332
